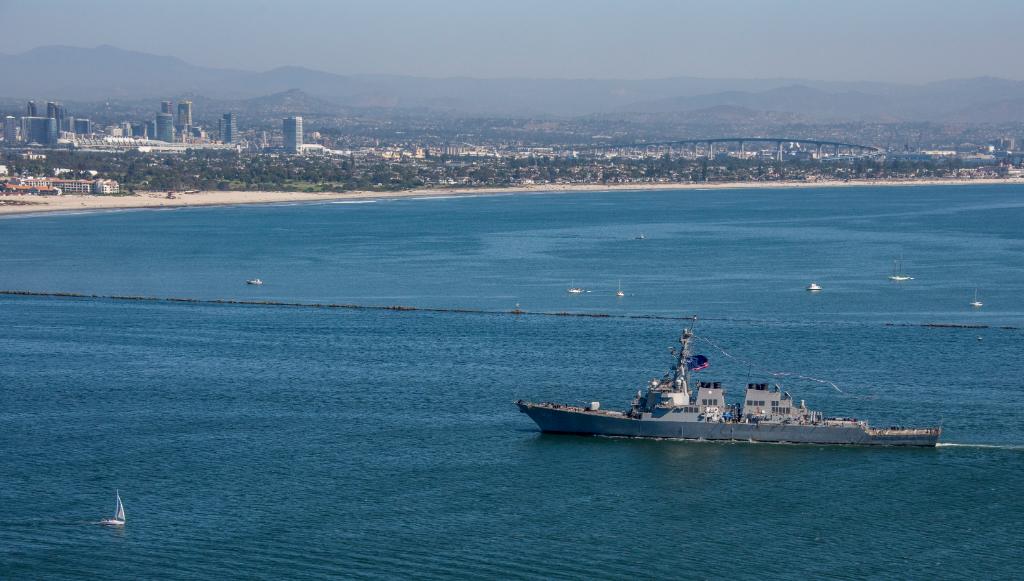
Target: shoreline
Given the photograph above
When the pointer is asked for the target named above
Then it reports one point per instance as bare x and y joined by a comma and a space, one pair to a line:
11, 205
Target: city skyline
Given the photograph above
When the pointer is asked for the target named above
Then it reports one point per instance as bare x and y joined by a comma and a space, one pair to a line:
869, 41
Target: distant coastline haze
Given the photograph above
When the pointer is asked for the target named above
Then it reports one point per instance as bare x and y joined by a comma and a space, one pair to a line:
911, 41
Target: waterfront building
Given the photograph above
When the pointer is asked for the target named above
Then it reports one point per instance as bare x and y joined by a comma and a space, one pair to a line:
165, 127
62, 186
150, 129
229, 128
10, 131
105, 187
292, 127
83, 127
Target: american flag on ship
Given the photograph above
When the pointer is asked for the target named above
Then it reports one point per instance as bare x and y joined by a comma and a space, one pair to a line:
697, 362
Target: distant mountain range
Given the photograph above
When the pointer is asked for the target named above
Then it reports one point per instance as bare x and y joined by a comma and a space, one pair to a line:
106, 72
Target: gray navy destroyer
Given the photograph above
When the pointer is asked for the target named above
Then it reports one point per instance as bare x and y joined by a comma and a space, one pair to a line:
674, 408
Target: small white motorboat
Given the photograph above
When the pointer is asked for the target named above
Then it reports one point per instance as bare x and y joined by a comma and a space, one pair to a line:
814, 287
254, 282
976, 303
575, 290
641, 237
118, 518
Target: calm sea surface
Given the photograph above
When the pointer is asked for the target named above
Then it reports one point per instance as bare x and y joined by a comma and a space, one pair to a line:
269, 442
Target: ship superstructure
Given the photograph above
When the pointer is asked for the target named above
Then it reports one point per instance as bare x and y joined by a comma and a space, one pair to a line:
676, 407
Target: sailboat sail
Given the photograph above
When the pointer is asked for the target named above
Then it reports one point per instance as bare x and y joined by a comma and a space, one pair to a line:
119, 512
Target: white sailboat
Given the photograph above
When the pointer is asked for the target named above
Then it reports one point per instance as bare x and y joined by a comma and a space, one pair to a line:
118, 519
897, 272
619, 292
976, 303
575, 290
814, 287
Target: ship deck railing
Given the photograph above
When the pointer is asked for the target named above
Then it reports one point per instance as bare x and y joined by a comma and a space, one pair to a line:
898, 431
575, 409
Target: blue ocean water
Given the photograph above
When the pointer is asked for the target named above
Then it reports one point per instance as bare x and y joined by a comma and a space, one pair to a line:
269, 442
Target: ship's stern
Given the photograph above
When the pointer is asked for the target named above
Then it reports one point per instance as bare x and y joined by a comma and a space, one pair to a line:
920, 437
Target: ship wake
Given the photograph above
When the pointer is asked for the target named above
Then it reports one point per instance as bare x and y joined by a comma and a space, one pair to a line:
1017, 447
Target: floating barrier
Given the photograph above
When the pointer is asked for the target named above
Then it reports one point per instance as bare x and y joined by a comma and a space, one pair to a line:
408, 308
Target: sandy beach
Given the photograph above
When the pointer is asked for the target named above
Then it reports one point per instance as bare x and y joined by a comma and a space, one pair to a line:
24, 204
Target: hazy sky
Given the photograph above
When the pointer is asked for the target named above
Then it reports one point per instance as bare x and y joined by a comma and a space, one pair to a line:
891, 40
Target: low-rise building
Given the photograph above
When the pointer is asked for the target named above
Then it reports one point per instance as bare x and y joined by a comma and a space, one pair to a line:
18, 189
105, 187
62, 186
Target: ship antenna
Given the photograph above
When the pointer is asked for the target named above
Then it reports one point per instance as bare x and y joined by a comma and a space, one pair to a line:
683, 367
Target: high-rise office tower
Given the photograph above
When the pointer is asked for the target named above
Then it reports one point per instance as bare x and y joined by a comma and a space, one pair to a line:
55, 110
31, 110
292, 127
229, 128
167, 107
10, 131
165, 127
41, 130
184, 115
83, 127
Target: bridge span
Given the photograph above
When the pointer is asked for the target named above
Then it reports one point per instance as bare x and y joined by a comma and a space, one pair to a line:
823, 148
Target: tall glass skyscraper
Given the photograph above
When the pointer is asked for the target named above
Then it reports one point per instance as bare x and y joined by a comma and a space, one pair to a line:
292, 127
10, 130
165, 127
184, 115
229, 128
41, 130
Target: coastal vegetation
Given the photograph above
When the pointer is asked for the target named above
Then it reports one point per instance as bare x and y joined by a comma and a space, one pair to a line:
234, 171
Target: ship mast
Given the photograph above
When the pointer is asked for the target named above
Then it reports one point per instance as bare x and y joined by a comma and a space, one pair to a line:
682, 370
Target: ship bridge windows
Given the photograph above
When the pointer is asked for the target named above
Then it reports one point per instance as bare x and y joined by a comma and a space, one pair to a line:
756, 403
711, 401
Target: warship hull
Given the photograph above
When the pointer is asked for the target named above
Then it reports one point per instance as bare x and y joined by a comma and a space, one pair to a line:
571, 420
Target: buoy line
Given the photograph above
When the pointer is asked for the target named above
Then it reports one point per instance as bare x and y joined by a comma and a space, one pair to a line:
460, 310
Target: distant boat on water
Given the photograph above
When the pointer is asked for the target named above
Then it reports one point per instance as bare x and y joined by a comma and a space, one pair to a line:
254, 282
976, 303
118, 518
619, 292
897, 272
641, 237
814, 287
